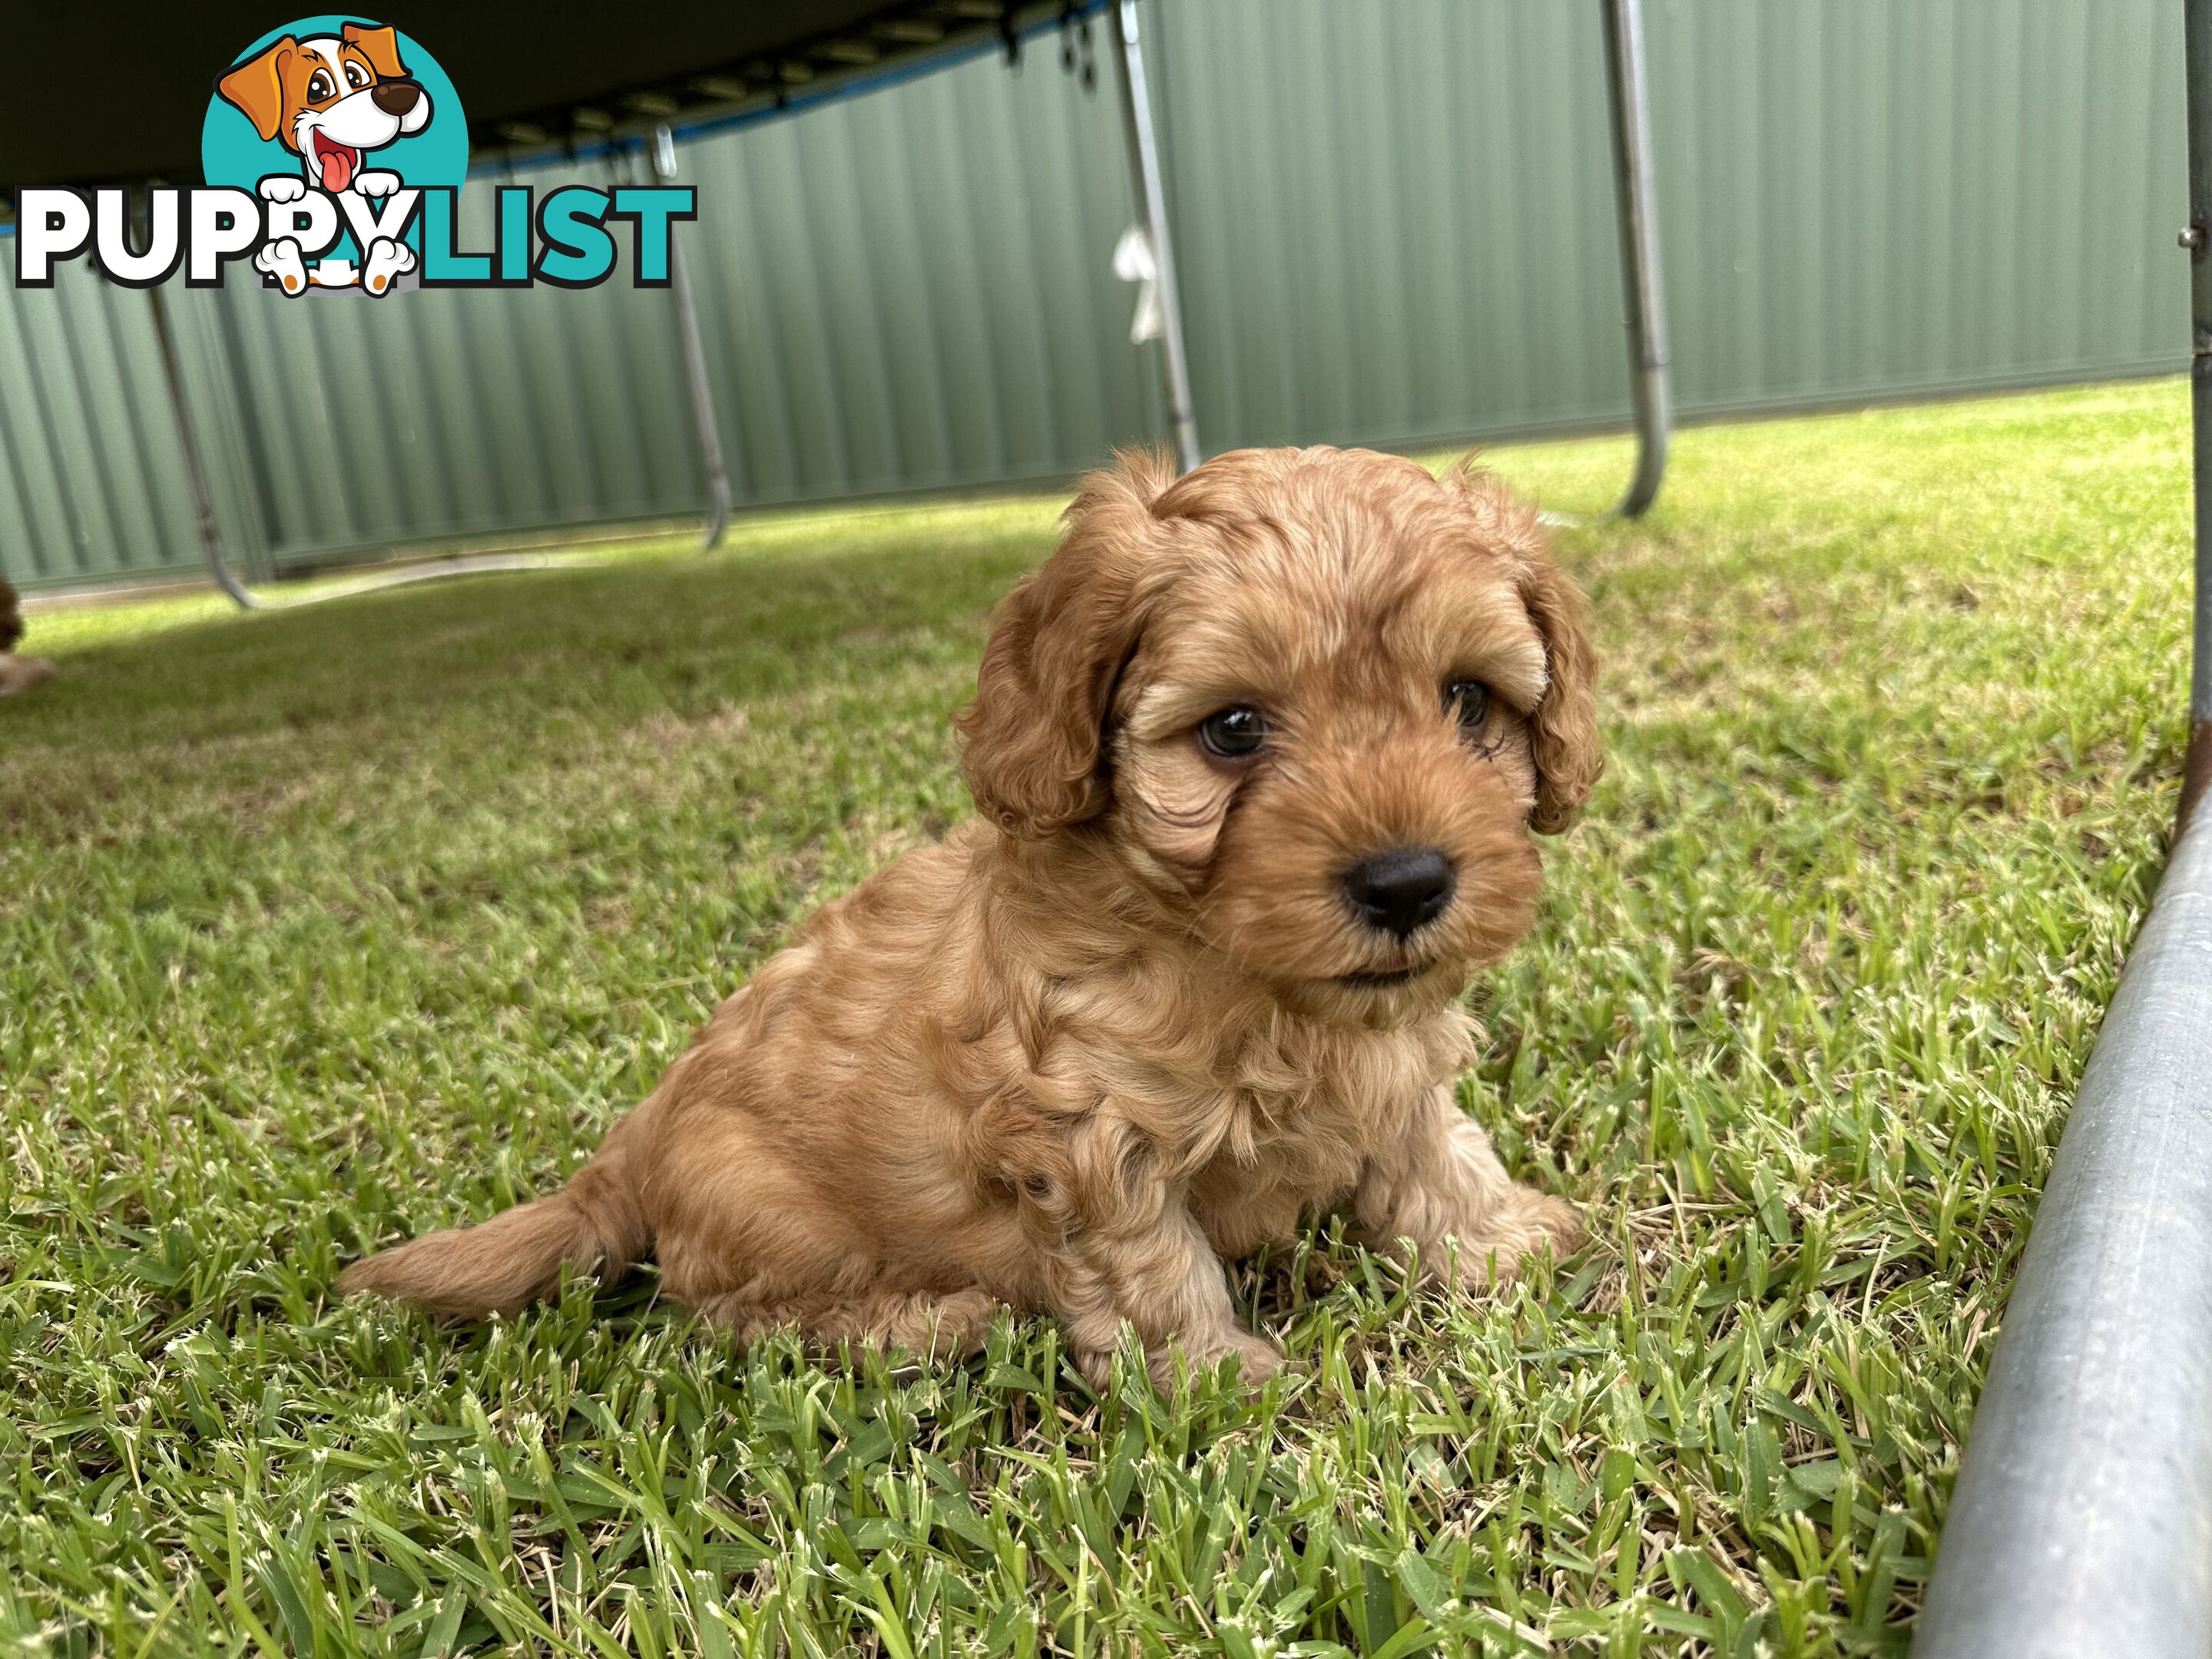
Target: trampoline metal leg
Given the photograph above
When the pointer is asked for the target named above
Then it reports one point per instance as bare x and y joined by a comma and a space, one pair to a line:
695, 361
210, 531
1639, 248
195, 469
1144, 166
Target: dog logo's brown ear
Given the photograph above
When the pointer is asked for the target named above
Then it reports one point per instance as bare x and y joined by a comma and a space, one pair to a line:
1563, 733
1036, 730
256, 86
380, 45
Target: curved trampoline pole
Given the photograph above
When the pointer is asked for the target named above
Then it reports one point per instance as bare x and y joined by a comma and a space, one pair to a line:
1639, 248
210, 531
703, 418
2080, 1527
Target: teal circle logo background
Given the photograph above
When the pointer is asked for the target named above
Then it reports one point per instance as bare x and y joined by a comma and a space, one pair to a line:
232, 152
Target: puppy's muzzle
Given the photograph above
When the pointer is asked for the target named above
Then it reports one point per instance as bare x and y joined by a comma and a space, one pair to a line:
396, 97
1401, 889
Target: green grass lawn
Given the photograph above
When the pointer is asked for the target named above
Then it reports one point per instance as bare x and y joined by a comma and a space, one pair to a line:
318, 929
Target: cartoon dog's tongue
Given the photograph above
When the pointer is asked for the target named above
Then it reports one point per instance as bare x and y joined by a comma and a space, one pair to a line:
339, 162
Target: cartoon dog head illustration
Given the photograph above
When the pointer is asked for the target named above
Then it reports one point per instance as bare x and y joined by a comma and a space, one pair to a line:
330, 98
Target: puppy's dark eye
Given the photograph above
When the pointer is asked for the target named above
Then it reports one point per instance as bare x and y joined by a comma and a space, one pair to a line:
1467, 702
1233, 733
355, 75
319, 85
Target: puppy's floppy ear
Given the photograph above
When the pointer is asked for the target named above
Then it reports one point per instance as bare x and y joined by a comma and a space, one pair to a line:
380, 45
256, 86
1563, 732
1036, 731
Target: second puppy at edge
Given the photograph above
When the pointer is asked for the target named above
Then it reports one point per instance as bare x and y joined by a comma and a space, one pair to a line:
1258, 752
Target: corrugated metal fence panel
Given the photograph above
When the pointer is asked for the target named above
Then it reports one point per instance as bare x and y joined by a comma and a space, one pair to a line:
904, 291
911, 290
1896, 197
1395, 221
446, 412
1395, 225
92, 482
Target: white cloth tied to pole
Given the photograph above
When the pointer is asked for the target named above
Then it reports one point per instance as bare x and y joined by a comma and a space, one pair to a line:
1135, 262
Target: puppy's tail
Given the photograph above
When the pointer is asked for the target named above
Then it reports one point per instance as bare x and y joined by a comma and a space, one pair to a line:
595, 1222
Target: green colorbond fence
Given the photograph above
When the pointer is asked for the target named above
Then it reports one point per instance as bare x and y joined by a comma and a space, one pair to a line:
1396, 227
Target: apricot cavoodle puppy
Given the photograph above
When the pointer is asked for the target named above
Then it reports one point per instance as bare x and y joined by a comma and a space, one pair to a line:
1258, 751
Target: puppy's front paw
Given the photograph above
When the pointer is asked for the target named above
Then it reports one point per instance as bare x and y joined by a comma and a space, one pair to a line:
281, 259
376, 183
283, 187
1257, 1358
1535, 1221
1558, 1221
387, 259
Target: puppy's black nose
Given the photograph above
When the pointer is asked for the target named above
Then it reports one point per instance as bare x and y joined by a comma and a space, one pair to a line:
1399, 890
396, 97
